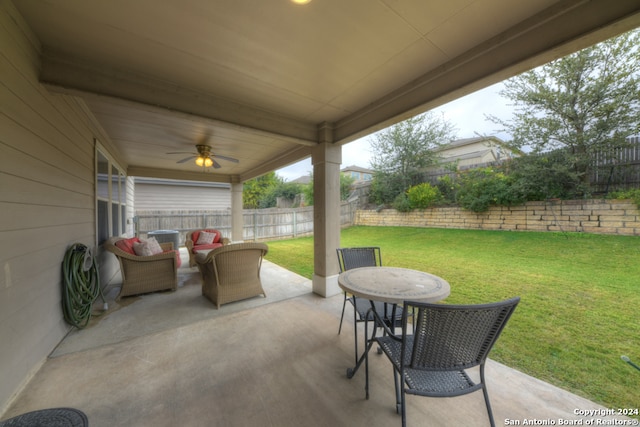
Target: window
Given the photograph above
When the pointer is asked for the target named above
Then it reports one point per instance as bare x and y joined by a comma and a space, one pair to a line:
110, 198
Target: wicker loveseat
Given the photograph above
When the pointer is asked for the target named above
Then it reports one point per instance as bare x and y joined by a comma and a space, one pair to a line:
144, 274
232, 272
194, 244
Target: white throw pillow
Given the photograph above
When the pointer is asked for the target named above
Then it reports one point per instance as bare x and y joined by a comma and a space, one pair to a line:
154, 246
205, 238
147, 247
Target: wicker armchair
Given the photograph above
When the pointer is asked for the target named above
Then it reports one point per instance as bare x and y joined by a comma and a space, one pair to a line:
232, 272
144, 274
191, 243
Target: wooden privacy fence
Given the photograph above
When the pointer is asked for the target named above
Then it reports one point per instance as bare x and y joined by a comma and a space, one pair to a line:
618, 170
259, 224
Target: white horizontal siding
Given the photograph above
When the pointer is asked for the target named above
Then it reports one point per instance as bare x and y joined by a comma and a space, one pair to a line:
154, 197
46, 202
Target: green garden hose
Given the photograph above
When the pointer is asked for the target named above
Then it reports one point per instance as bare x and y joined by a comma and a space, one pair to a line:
81, 285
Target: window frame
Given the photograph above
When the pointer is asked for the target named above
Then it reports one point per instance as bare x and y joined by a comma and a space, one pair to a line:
110, 182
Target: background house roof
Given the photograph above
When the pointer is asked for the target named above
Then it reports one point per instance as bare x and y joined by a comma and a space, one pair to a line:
266, 82
475, 151
354, 168
471, 141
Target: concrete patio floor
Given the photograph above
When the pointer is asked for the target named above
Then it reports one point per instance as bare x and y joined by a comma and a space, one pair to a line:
172, 359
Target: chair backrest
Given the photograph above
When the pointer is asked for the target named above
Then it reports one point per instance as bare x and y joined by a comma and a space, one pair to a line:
349, 258
238, 259
454, 337
194, 234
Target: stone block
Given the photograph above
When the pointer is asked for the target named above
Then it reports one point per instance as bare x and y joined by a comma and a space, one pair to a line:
610, 223
584, 217
606, 212
536, 204
572, 211
518, 208
628, 231
600, 230
555, 218
537, 227
573, 202
590, 223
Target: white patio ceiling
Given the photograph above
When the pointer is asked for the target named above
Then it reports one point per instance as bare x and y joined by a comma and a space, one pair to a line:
268, 80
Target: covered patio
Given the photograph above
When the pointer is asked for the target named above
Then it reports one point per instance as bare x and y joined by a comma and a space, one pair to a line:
170, 359
95, 93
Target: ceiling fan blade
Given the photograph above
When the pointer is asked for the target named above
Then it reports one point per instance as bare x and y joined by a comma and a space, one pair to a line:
216, 165
229, 159
186, 159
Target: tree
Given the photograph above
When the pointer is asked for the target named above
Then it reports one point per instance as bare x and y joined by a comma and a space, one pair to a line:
586, 103
345, 189
254, 190
403, 151
285, 190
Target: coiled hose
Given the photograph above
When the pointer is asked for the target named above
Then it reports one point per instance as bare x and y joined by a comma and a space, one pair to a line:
81, 285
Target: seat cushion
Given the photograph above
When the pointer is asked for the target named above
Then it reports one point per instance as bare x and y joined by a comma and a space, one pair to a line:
206, 247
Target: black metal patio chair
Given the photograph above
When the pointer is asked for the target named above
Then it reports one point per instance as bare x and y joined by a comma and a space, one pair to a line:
447, 341
367, 256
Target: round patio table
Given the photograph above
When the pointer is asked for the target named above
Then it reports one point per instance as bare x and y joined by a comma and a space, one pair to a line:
391, 285
394, 285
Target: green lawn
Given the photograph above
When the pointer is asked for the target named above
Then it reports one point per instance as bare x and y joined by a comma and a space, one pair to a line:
580, 296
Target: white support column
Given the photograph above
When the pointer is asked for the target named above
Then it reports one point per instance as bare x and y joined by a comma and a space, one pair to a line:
237, 220
326, 159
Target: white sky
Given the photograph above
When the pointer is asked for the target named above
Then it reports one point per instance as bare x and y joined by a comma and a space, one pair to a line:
467, 114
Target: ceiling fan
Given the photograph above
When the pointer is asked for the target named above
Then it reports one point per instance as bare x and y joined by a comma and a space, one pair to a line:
204, 157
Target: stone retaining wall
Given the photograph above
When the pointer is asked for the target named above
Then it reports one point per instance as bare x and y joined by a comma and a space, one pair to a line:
590, 216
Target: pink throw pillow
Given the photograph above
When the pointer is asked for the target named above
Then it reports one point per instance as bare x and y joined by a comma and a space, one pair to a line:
205, 238
126, 245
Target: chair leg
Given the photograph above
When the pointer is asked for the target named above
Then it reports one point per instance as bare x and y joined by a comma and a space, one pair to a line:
366, 362
344, 303
403, 404
355, 331
397, 389
486, 396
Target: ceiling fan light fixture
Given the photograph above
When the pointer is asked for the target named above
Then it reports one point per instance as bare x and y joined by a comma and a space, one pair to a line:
300, 1
204, 161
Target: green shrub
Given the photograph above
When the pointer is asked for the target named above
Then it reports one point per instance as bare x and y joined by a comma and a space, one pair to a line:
544, 176
423, 196
401, 203
481, 188
287, 190
385, 187
633, 194
448, 187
